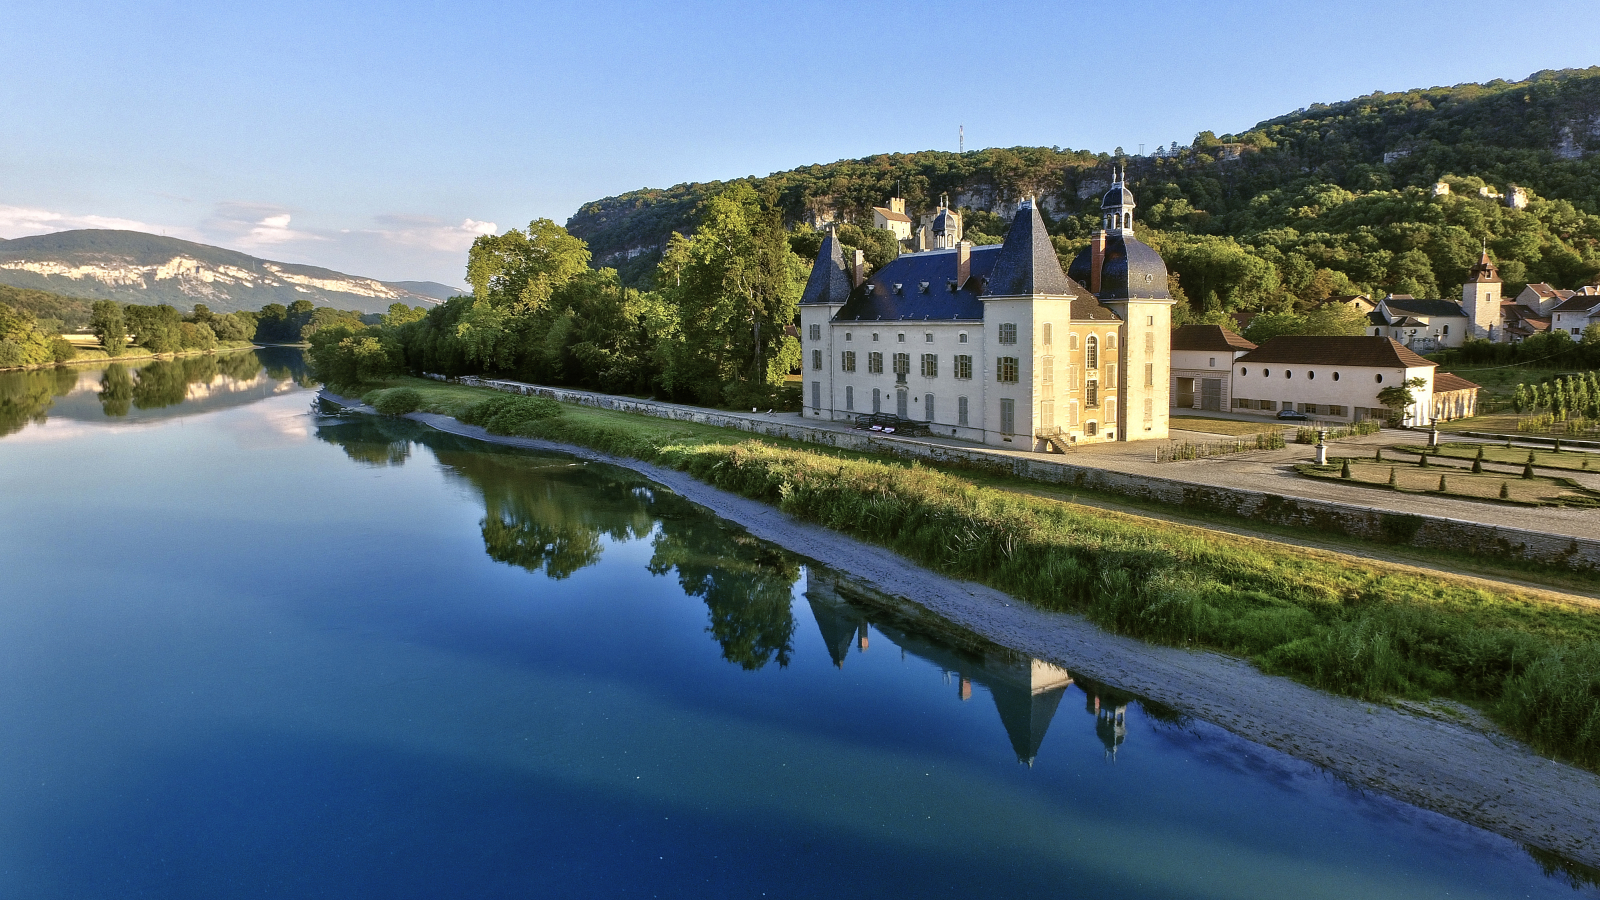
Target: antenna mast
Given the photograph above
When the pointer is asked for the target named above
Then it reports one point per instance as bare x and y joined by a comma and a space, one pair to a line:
962, 131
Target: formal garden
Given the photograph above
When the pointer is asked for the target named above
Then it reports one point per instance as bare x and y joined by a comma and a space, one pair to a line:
1468, 471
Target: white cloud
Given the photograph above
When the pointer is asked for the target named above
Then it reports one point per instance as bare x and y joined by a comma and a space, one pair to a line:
20, 221
429, 233
252, 226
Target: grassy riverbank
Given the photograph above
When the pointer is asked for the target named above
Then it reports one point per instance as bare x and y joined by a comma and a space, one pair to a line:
1343, 624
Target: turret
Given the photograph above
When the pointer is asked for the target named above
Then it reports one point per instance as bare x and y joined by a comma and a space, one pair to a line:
1480, 298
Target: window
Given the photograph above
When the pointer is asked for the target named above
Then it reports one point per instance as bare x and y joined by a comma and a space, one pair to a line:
1047, 414
875, 364
927, 406
1149, 375
1048, 334
847, 335
963, 366
1149, 414
1244, 371
1111, 342
1337, 411
816, 332
1150, 320
816, 396
1288, 374
963, 338
1111, 377
1072, 378
1336, 376
849, 398
1111, 413
1047, 370
1378, 378
1212, 362
874, 335
930, 365
1150, 344
847, 361
1008, 333
1091, 394
1072, 342
961, 410
1446, 330
816, 359
1266, 373
1072, 414
1311, 376
927, 337
902, 366
901, 337
1090, 428
1006, 370
1008, 416
1091, 351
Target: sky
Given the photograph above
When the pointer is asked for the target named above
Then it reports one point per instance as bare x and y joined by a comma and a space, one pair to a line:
379, 139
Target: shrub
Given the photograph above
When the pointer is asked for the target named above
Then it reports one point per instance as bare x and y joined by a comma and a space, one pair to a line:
62, 350
397, 401
511, 414
1555, 702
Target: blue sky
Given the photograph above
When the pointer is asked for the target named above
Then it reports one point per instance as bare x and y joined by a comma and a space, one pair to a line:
378, 138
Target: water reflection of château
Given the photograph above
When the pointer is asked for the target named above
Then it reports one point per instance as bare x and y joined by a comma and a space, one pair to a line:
1026, 691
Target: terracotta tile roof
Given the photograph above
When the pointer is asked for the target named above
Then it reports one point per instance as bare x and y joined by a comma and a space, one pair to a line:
891, 215
1320, 350
1579, 303
1208, 337
1444, 382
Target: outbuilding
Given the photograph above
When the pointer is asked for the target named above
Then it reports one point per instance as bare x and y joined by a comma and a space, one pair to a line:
1331, 378
1202, 356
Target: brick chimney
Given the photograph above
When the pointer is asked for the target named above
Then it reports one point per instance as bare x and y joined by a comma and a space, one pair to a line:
858, 270
1097, 258
963, 263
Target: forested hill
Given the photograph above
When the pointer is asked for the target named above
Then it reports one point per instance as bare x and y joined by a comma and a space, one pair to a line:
134, 267
1332, 197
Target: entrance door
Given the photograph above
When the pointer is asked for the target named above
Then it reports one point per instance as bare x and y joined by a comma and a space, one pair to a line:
877, 400
1183, 398
900, 399
1211, 394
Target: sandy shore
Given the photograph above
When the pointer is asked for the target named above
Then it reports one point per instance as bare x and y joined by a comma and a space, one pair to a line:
1451, 767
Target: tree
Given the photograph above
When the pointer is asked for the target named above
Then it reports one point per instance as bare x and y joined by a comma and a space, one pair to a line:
1398, 398
155, 328
108, 325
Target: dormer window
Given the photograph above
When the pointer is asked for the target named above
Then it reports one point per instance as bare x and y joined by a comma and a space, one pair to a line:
922, 286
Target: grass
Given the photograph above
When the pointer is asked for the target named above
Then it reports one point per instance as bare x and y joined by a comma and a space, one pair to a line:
1574, 460
1228, 427
1460, 483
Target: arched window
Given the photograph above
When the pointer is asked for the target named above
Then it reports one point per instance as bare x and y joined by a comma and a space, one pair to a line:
1091, 349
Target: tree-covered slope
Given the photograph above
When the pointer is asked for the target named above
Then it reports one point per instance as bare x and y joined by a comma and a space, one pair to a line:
1335, 197
133, 267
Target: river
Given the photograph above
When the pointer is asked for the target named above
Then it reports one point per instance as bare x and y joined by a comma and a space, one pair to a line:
253, 649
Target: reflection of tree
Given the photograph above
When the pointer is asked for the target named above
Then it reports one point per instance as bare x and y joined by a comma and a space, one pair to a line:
27, 396
116, 390
239, 366
745, 583
547, 515
165, 382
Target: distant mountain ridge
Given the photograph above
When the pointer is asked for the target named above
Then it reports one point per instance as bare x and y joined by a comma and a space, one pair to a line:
134, 267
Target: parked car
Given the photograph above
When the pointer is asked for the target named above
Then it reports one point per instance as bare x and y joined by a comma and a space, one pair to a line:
1291, 414
889, 423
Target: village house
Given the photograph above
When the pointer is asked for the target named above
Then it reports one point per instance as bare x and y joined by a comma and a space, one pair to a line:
996, 343
1577, 312
1202, 366
1424, 325
893, 218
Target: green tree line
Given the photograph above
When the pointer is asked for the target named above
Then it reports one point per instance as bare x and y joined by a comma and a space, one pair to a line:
712, 330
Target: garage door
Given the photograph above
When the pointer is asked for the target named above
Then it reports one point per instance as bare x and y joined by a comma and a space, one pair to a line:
1211, 394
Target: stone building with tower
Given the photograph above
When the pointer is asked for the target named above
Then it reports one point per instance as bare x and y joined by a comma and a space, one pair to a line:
996, 344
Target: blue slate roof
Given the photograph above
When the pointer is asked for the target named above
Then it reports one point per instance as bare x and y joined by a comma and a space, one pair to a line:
878, 299
1131, 269
1028, 262
829, 281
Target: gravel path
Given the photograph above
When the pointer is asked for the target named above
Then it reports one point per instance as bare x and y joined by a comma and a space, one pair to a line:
1449, 766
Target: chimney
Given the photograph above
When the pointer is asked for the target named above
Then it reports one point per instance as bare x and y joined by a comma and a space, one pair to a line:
858, 270
963, 263
1097, 258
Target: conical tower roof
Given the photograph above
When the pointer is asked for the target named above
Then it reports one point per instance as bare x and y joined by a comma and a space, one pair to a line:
830, 280
1027, 263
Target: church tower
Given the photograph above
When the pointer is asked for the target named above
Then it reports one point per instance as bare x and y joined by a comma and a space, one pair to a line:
1480, 299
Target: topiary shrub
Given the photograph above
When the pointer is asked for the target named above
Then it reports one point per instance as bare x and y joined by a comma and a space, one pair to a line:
397, 401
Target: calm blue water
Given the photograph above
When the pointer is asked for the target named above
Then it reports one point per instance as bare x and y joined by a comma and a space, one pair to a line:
250, 651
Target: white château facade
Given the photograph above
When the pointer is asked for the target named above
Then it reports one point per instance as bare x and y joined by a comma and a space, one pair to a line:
997, 344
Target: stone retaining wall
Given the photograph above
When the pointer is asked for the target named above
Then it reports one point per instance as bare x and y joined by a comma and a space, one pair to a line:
1316, 515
